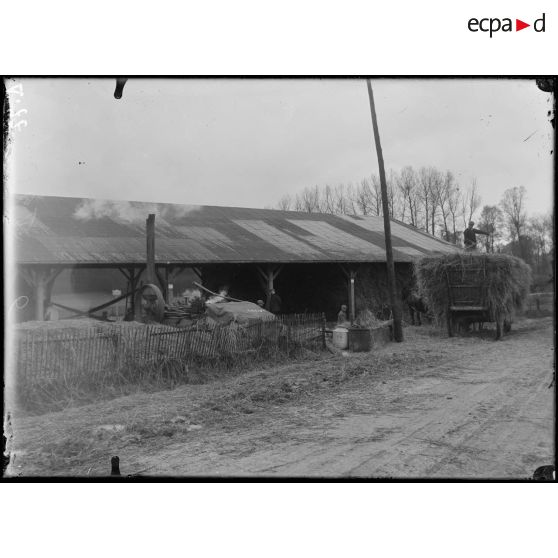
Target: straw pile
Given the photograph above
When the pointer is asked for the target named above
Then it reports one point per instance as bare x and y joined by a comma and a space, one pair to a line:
503, 280
372, 290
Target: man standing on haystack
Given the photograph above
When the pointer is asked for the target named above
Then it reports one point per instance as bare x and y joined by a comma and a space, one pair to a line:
470, 236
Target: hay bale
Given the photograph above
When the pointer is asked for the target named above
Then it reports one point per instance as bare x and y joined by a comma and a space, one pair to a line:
372, 289
366, 318
504, 281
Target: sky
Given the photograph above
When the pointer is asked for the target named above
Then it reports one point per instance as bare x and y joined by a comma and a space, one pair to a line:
235, 142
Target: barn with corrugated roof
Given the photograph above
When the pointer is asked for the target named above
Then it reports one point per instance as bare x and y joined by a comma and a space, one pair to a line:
308, 258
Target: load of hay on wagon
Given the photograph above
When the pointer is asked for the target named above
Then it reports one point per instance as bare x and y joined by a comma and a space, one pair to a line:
482, 287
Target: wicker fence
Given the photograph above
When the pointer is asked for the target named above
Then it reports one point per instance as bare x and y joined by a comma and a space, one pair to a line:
50, 354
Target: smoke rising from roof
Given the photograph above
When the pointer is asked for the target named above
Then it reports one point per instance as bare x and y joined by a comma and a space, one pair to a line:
130, 212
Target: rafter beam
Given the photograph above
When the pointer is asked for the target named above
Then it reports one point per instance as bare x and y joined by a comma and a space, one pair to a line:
198, 271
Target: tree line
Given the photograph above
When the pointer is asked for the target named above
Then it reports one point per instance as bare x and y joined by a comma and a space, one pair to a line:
434, 201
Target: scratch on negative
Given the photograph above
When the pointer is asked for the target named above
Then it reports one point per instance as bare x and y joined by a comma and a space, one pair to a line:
529, 136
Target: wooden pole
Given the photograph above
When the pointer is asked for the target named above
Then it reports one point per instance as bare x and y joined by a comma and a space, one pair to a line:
40, 297
217, 294
352, 282
150, 230
395, 307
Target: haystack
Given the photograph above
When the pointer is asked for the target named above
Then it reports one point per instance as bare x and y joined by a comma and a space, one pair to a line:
503, 281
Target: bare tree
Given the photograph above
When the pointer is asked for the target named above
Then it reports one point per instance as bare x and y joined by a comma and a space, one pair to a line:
470, 203
339, 199
377, 193
492, 221
539, 228
393, 201
454, 204
363, 197
351, 197
428, 179
441, 194
438, 179
298, 204
407, 184
425, 199
512, 205
327, 199
310, 199
285, 203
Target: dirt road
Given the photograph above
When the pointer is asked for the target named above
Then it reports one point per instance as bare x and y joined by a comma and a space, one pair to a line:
488, 413
431, 407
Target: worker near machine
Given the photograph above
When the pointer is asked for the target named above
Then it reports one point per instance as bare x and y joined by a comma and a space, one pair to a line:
260, 303
274, 302
342, 315
470, 236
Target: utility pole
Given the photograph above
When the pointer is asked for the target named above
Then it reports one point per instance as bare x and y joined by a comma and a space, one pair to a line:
395, 308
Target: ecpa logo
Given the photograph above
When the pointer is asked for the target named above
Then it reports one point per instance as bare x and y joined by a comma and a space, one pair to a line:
494, 24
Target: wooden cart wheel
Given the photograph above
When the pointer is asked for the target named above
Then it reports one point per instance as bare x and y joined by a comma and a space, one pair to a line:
498, 329
150, 304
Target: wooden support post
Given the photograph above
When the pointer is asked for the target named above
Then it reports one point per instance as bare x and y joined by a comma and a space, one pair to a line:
175, 271
269, 275
269, 288
263, 283
134, 281
324, 345
41, 280
128, 286
165, 278
50, 284
350, 273
167, 294
352, 278
150, 231
40, 297
262, 277
170, 271
131, 287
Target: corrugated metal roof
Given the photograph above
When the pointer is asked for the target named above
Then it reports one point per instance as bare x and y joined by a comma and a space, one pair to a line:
56, 230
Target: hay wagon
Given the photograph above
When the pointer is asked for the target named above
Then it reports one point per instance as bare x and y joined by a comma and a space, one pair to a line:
468, 298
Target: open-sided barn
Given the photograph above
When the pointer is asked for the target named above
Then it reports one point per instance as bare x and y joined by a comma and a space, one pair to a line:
309, 258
